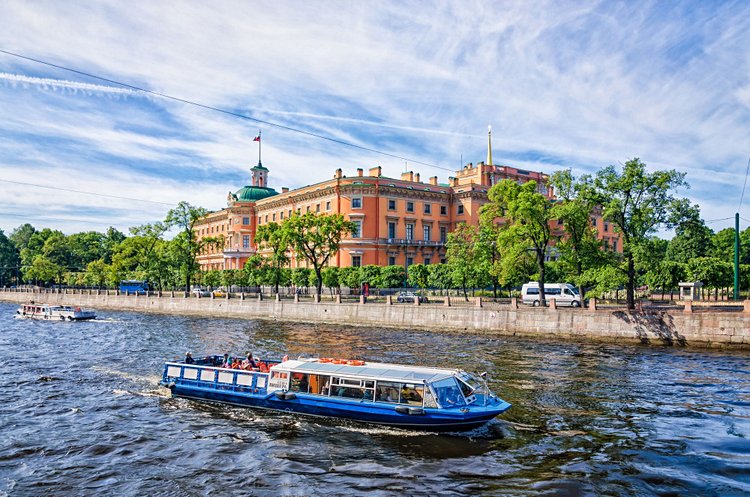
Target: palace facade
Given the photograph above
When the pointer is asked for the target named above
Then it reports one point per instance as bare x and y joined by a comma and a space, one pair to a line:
400, 221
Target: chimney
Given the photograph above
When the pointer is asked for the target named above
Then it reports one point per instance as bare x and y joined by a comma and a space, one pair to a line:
407, 176
416, 177
433, 180
376, 172
284, 189
338, 174
360, 171
453, 181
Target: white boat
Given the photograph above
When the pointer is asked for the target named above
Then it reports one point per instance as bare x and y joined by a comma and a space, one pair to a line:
54, 312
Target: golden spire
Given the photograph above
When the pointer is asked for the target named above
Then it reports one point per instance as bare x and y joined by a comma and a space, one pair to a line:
489, 145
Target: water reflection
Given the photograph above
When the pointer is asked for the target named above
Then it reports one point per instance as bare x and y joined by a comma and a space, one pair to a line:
82, 413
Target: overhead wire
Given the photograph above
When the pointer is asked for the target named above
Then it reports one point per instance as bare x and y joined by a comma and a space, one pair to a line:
223, 111
747, 171
84, 192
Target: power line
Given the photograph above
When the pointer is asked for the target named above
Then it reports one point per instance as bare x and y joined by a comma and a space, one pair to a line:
747, 171
717, 220
223, 111
84, 192
42, 218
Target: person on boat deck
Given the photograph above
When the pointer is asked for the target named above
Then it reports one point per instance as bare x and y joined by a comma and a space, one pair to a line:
189, 358
236, 364
249, 363
227, 361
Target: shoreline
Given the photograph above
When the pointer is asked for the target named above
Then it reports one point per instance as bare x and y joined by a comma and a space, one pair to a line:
682, 328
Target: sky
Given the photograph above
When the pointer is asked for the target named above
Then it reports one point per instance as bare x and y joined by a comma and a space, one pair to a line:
412, 85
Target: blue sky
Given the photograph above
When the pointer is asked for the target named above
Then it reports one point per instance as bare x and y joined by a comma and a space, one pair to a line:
576, 85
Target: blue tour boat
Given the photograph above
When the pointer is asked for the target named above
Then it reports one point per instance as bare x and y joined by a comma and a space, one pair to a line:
408, 397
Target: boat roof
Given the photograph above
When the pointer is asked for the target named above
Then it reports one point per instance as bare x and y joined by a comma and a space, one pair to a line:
377, 370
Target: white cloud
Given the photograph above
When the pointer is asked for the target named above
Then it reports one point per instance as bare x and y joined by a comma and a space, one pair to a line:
586, 85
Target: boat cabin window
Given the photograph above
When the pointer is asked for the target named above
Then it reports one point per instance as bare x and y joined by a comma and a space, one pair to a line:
400, 393
279, 375
310, 383
352, 388
448, 394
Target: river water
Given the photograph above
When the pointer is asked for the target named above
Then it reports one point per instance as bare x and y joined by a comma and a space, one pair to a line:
81, 413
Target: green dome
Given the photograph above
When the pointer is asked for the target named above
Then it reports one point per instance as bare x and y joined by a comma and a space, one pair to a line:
253, 193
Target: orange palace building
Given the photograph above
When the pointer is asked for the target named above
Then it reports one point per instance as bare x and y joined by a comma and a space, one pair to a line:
401, 221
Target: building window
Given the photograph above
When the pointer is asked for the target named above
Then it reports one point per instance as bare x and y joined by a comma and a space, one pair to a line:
614, 245
409, 261
307, 209
409, 206
245, 220
409, 232
460, 209
593, 222
317, 208
391, 230
391, 261
427, 231
273, 217
427, 260
246, 241
606, 227
290, 212
282, 215
356, 202
357, 233
428, 208
443, 234
266, 221
328, 206
356, 260
443, 210
391, 204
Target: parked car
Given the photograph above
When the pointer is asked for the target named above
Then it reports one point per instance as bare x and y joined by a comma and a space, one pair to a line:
200, 292
410, 296
563, 293
219, 293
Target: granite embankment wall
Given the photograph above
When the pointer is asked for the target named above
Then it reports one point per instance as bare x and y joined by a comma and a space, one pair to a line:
701, 329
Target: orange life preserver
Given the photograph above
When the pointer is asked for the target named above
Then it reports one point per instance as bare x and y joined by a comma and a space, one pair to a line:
355, 362
325, 359
339, 361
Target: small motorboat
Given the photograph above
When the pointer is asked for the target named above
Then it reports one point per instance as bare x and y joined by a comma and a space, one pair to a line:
54, 312
409, 397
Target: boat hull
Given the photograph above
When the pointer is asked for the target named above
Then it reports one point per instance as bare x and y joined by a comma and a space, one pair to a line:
441, 420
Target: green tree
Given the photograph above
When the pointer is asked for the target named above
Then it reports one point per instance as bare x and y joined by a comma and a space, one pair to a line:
85, 247
461, 256
9, 260
578, 247
418, 275
666, 275
371, 275
96, 273
21, 236
692, 237
391, 276
274, 237
527, 222
637, 203
300, 277
439, 276
331, 278
185, 244
712, 272
316, 238
350, 276
212, 278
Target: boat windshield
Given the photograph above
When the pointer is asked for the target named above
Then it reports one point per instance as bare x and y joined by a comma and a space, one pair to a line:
448, 394
470, 384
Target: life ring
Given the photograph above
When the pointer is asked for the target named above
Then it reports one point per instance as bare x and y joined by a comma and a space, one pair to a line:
325, 359
339, 361
355, 362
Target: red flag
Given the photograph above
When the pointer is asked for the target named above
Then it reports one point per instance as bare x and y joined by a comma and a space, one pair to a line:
256, 139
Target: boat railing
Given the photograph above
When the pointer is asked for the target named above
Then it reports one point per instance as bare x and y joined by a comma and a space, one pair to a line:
216, 378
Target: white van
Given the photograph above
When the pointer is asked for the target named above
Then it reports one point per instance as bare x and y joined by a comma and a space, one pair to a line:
563, 293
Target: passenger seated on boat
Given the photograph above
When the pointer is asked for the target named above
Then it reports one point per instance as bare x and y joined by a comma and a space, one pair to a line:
410, 395
236, 364
249, 363
189, 358
227, 361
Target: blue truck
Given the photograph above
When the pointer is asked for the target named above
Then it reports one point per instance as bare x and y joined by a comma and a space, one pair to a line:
134, 286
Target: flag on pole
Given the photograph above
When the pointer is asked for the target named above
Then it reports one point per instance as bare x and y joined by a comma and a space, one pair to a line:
256, 139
